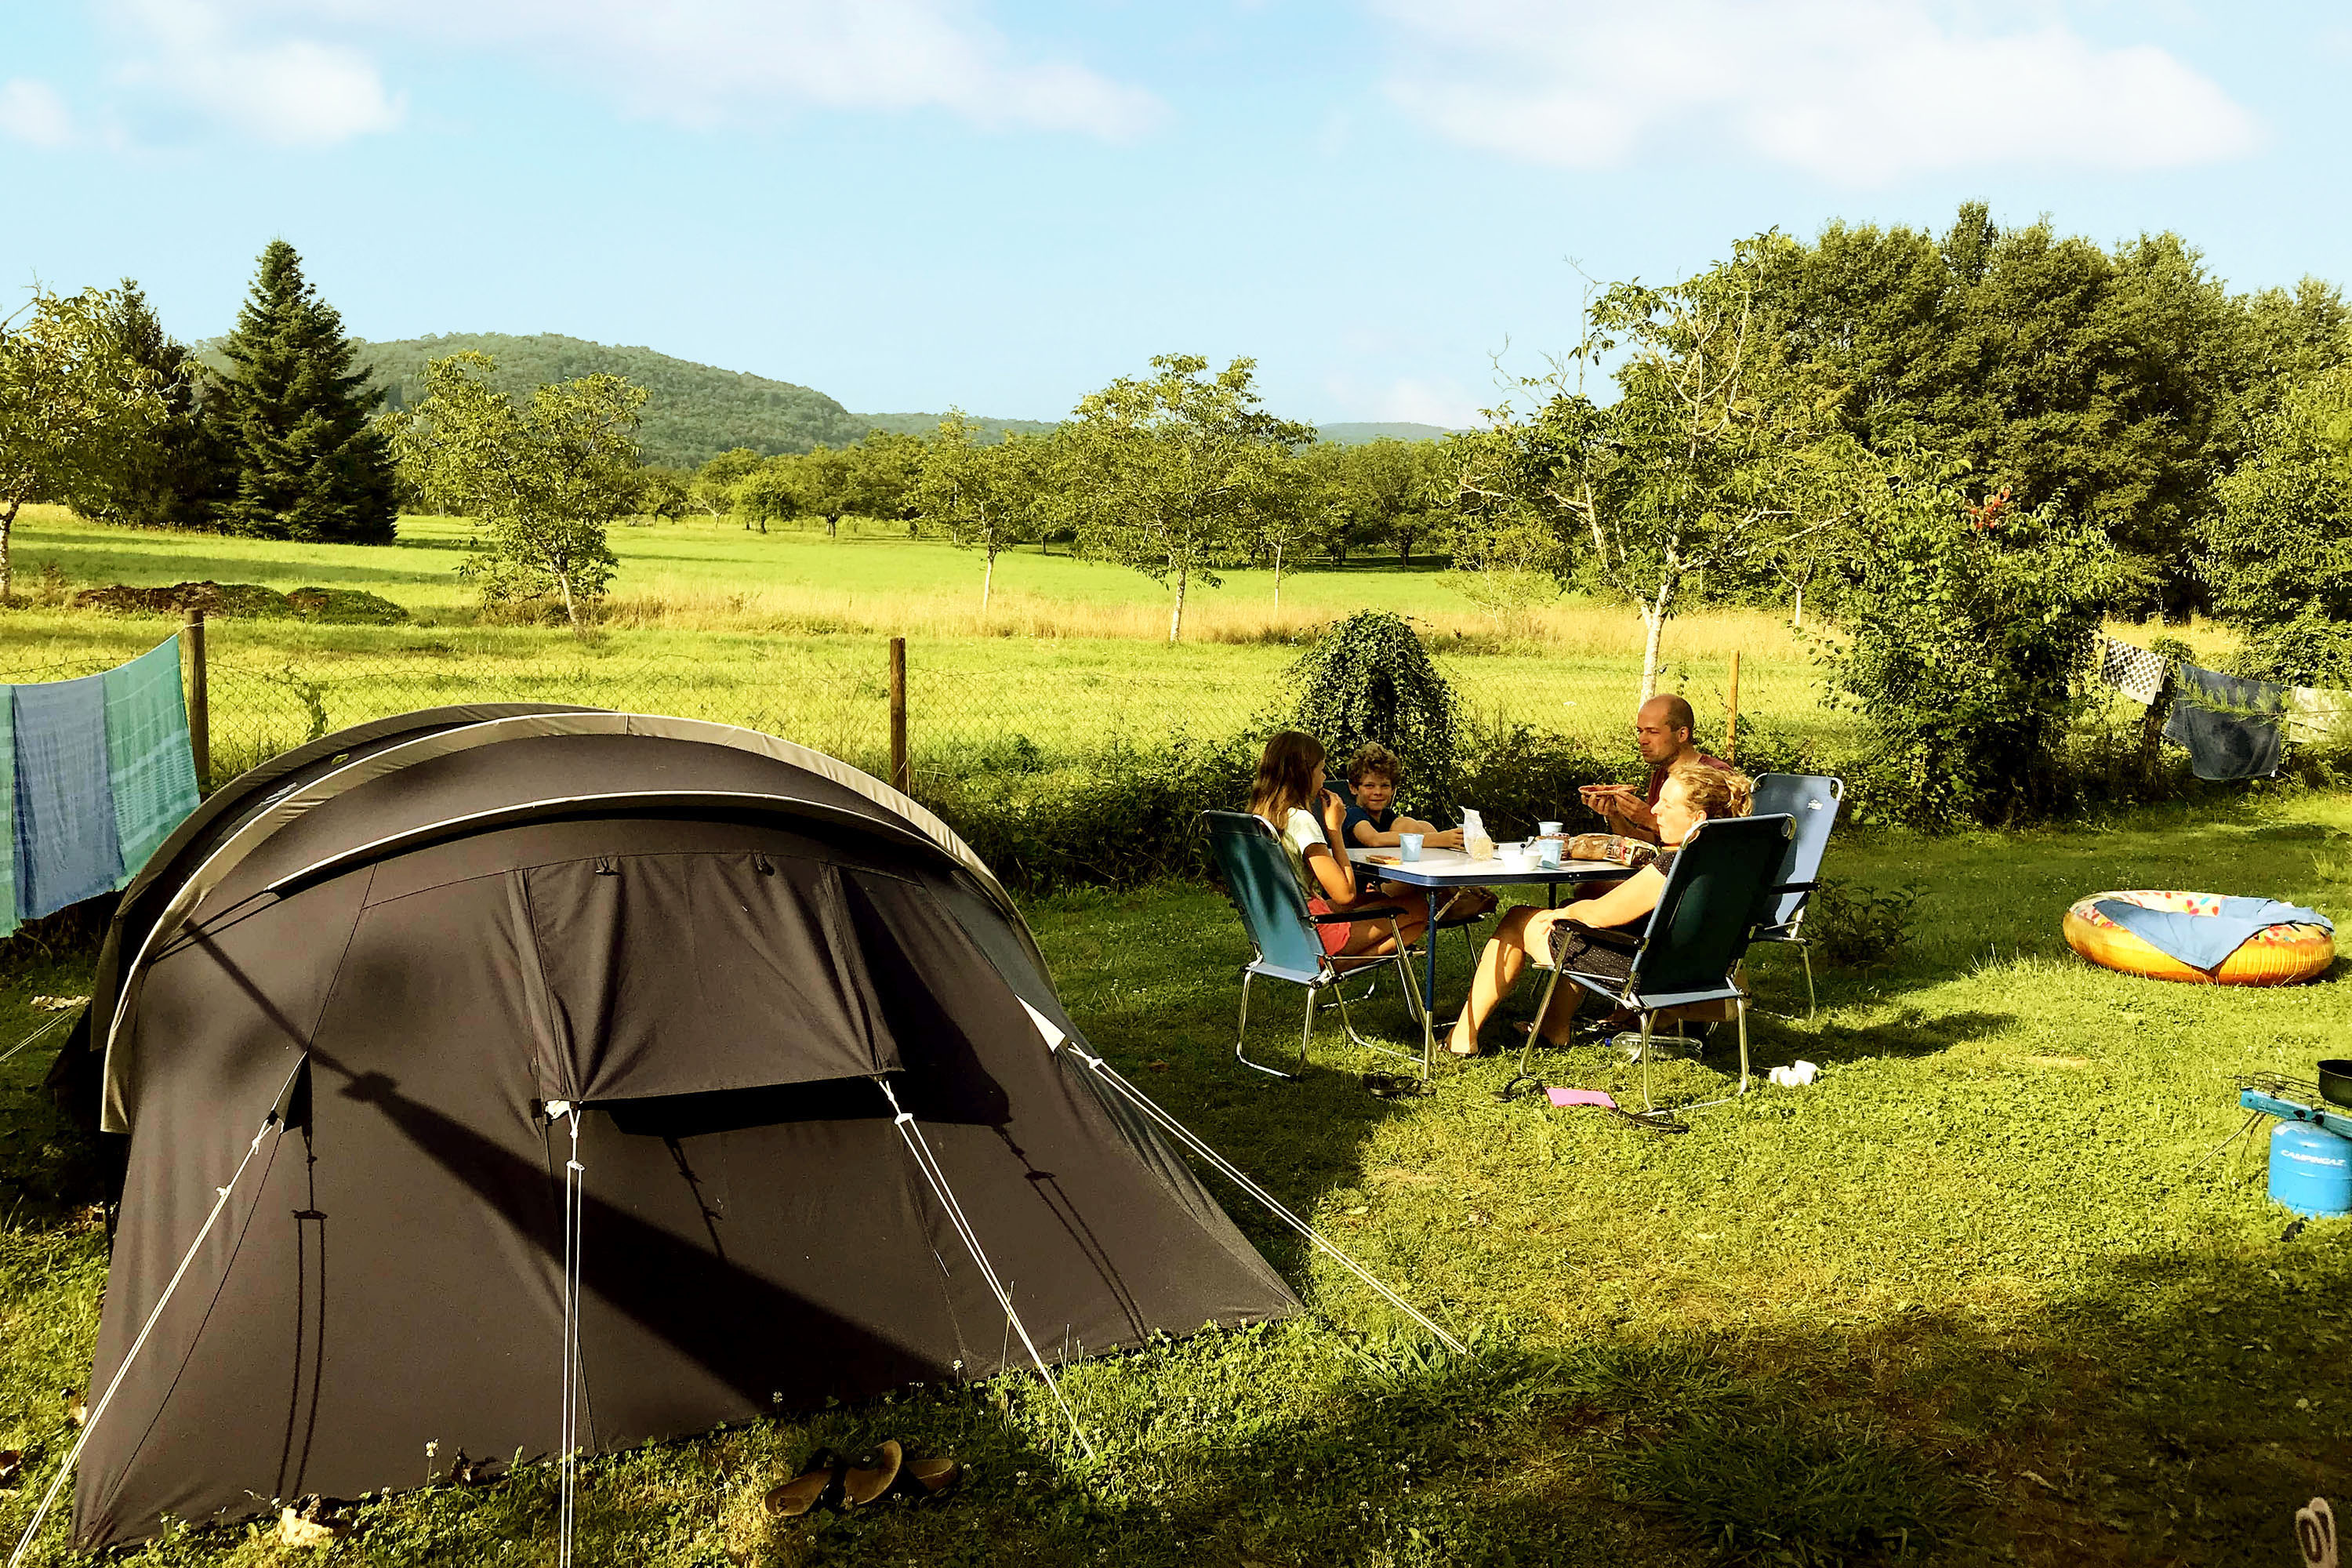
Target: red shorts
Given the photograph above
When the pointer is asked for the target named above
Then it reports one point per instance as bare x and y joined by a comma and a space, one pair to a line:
1334, 935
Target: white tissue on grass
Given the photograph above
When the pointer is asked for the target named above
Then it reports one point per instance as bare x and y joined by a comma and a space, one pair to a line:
1797, 1074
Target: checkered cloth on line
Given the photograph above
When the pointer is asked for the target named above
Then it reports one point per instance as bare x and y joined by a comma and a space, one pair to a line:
2133, 671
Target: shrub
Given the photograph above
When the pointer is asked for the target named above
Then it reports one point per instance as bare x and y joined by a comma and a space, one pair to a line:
1515, 777
1964, 628
1368, 679
1858, 928
1128, 818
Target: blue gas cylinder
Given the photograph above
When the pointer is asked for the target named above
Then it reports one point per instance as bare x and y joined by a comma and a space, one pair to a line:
2311, 1170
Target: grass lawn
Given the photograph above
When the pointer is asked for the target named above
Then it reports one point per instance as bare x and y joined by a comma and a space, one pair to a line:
1976, 1297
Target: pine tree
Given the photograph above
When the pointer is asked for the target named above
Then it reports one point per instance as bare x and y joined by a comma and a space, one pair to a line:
310, 463
181, 468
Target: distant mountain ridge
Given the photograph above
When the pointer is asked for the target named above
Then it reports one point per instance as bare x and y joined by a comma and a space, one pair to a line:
1352, 433
694, 411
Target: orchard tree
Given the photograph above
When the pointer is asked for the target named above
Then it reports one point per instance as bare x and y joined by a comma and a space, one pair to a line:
1336, 511
547, 479
311, 463
73, 401
713, 490
665, 495
985, 496
1170, 474
1683, 478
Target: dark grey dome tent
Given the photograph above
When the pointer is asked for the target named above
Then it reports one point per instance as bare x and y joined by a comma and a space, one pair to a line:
524, 1077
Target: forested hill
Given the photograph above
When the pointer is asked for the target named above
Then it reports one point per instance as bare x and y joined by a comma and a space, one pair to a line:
693, 412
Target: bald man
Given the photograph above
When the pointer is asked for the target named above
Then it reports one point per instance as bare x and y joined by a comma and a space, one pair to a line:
1662, 733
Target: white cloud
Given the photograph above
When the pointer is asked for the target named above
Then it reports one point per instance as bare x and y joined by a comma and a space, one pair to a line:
288, 92
31, 111
1858, 91
700, 63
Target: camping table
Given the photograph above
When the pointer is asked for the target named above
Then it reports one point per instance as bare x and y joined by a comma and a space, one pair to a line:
1442, 871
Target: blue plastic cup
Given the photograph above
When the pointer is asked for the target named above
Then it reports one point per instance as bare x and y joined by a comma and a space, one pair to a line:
1548, 854
1547, 829
1408, 846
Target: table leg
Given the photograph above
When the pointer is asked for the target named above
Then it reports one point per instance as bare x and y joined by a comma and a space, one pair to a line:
1429, 995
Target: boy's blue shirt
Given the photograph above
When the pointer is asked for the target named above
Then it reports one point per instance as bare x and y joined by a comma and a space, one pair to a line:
1357, 814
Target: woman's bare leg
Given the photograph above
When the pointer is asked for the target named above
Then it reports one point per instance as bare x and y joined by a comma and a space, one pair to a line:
1500, 965
1560, 1018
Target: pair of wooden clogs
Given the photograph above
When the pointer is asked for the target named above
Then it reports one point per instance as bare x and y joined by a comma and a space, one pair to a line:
849, 1486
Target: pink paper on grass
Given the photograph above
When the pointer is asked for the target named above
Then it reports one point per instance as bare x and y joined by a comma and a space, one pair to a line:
1568, 1096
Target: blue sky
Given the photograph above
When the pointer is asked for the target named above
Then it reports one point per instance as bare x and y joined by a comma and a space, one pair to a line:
913, 203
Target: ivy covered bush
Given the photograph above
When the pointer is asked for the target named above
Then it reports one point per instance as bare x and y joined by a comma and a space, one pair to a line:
1368, 678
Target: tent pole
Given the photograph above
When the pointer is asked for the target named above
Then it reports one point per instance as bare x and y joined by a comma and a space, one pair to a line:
574, 1208
1110, 1076
97, 1412
929, 1164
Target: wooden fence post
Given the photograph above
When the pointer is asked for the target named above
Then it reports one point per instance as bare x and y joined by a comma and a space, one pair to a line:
899, 780
1731, 713
200, 700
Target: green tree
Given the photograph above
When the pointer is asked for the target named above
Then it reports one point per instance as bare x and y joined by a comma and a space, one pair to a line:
1339, 512
983, 496
714, 487
178, 468
884, 470
2279, 552
2098, 380
73, 401
547, 479
311, 465
1677, 482
1168, 474
1963, 627
665, 494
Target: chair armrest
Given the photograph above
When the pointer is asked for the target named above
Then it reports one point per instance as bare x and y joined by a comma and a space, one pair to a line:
1333, 917
1793, 887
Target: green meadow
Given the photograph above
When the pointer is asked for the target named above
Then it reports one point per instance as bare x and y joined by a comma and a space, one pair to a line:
788, 631
1991, 1291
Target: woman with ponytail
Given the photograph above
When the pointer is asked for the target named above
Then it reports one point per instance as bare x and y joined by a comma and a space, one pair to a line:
1597, 935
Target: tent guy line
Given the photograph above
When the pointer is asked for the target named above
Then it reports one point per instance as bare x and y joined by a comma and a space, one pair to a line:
1056, 1040
904, 1121
275, 1118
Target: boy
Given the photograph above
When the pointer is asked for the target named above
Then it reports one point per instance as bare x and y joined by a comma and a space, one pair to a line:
1373, 821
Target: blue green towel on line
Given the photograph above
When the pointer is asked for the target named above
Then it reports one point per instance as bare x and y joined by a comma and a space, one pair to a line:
95, 774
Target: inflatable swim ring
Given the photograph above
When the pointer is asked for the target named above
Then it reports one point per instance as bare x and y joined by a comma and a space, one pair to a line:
2274, 955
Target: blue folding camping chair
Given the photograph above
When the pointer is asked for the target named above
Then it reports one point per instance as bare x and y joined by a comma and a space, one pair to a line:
1722, 885
1283, 932
1811, 801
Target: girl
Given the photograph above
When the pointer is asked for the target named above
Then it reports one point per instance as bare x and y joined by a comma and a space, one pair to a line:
1289, 795
1596, 936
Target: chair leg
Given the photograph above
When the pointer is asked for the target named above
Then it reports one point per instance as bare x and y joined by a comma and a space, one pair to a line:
1739, 1009
1528, 1048
1805, 949
1240, 1041
1649, 1107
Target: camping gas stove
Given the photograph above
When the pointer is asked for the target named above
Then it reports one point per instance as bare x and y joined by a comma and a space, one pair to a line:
2292, 1099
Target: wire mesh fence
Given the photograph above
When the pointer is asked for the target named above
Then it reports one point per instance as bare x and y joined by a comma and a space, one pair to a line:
1005, 708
